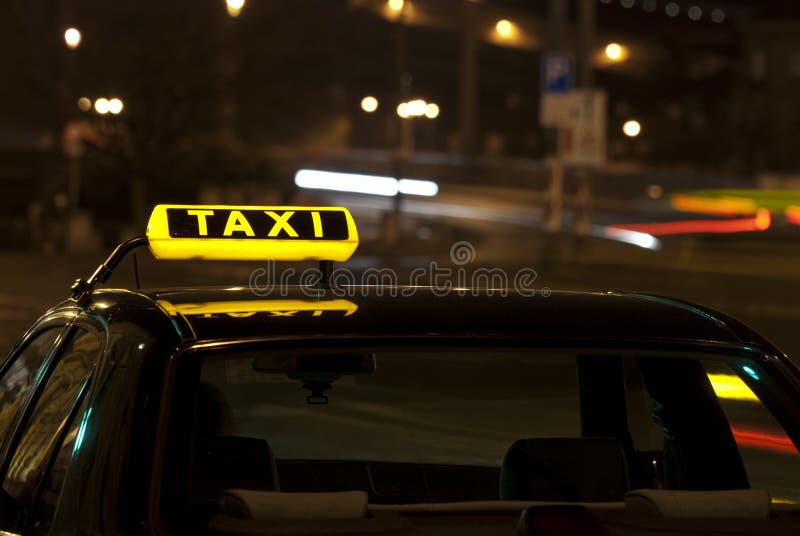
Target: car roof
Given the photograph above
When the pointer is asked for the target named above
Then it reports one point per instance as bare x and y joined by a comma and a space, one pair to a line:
236, 313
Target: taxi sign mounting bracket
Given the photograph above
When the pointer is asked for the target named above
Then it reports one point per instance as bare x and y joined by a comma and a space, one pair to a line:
81, 288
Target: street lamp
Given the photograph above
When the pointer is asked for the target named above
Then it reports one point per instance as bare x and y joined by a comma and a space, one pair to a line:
431, 110
418, 108
115, 106
504, 28
396, 5
615, 52
234, 7
369, 104
632, 128
84, 104
101, 106
72, 37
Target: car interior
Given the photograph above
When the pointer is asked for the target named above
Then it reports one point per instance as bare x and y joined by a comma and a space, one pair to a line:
600, 480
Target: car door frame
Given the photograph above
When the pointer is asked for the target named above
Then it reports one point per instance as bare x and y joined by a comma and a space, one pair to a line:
75, 319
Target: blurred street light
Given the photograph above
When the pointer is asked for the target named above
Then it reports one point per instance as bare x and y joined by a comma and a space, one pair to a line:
72, 36
84, 104
234, 7
395, 5
369, 104
402, 110
101, 106
504, 28
672, 9
615, 52
431, 110
418, 108
115, 106
632, 128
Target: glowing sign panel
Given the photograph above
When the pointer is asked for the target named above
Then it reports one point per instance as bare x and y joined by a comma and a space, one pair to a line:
252, 233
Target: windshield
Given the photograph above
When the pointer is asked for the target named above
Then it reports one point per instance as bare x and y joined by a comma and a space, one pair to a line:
428, 425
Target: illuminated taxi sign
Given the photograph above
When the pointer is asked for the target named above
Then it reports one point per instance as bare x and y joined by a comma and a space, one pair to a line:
218, 232
248, 308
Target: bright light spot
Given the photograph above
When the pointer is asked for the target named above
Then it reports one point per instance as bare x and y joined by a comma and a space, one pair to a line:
655, 191
649, 5
643, 240
369, 104
695, 13
416, 107
101, 106
141, 346
72, 36
763, 219
504, 28
614, 51
402, 110
363, 184
418, 187
234, 7
395, 5
84, 104
431, 110
115, 106
731, 387
632, 128
627, 3
672, 9
718, 15
750, 372
346, 182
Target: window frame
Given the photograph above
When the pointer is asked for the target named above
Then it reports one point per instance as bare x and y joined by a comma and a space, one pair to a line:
63, 320
74, 323
184, 363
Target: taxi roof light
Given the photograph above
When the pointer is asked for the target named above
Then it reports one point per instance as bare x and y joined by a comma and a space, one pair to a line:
238, 233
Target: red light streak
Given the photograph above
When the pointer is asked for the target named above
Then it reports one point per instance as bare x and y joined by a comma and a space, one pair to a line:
752, 438
760, 222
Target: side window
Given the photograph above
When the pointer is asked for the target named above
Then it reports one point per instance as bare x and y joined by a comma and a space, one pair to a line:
770, 458
45, 509
20, 375
50, 414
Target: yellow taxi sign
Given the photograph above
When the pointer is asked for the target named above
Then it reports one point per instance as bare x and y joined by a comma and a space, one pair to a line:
221, 232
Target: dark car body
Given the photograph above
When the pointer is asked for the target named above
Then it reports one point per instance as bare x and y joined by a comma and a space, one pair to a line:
114, 482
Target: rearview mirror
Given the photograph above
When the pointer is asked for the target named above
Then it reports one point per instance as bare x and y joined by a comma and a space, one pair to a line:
324, 364
316, 372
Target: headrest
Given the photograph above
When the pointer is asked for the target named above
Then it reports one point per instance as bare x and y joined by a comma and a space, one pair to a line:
673, 504
564, 469
221, 463
248, 504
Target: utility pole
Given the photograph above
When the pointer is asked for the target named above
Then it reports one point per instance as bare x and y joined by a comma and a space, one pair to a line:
556, 18
587, 22
469, 78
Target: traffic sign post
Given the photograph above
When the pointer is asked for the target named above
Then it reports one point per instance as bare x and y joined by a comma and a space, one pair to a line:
557, 77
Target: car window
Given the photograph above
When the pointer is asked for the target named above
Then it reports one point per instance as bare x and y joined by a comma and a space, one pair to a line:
445, 425
50, 491
768, 454
464, 411
50, 414
20, 374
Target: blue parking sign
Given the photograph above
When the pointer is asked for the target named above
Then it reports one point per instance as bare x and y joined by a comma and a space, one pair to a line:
558, 72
